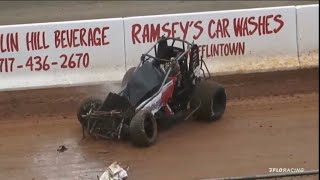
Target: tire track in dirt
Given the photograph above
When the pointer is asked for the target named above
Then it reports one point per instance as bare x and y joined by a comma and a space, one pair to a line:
58, 100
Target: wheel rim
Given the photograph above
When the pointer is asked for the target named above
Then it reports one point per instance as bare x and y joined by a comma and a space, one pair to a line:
87, 108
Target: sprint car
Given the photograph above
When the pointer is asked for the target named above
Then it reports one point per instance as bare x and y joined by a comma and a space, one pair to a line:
170, 84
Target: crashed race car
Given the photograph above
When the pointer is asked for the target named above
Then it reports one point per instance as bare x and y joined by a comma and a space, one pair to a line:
170, 84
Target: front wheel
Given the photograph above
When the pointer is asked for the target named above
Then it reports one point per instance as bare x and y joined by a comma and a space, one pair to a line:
143, 129
212, 97
86, 106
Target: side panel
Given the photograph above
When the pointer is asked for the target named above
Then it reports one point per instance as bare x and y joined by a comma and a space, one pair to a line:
61, 54
308, 35
157, 102
235, 41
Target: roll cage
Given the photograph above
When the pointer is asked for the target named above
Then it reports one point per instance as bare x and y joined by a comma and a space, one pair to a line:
188, 49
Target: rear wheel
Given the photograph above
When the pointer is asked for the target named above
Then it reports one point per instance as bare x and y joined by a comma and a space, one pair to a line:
126, 78
143, 129
213, 101
91, 103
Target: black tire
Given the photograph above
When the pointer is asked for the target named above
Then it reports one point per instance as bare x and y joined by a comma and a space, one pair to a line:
126, 78
213, 101
86, 106
143, 129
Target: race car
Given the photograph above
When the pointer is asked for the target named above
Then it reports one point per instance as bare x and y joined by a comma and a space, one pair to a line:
170, 84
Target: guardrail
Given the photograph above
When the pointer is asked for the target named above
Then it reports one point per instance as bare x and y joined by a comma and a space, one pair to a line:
71, 53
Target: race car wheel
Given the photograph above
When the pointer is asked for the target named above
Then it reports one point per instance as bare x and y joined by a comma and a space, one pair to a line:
126, 78
143, 129
85, 108
213, 101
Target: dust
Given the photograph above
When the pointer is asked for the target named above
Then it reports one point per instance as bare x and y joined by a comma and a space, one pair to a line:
100, 91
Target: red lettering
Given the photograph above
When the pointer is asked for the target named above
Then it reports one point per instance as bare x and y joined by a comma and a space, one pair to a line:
223, 49
245, 27
233, 49
9, 42
46, 46
238, 26
184, 29
75, 44
241, 46
252, 23
200, 28
82, 34
2, 44
154, 32
90, 37
220, 47
6, 64
145, 34
97, 41
219, 29
173, 28
27, 41
226, 49
267, 24
38, 41
70, 37
104, 36
211, 22
165, 29
278, 19
135, 30
56, 39
80, 37
34, 40
261, 25
207, 51
215, 50
35, 37
225, 22
63, 45
249, 25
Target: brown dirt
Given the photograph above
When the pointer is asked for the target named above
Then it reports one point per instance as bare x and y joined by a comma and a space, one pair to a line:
271, 122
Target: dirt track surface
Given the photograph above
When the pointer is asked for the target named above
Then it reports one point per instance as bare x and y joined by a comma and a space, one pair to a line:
271, 122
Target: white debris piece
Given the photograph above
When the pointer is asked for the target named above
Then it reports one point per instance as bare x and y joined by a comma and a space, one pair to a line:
114, 172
